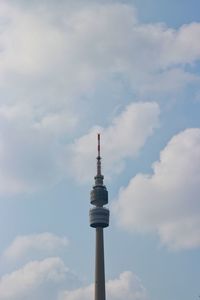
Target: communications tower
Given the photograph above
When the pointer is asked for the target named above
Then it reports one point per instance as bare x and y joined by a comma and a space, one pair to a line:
99, 218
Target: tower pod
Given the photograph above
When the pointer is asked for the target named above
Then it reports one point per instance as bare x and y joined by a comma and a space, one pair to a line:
99, 195
99, 217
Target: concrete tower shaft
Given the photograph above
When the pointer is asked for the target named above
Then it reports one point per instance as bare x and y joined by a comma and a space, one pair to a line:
99, 218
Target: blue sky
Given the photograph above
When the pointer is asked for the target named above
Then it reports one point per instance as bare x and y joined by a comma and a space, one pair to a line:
127, 69
173, 14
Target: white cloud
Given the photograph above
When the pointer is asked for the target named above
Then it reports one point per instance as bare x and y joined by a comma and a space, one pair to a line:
122, 139
127, 286
50, 279
167, 201
57, 123
54, 58
36, 280
23, 36
28, 157
27, 246
170, 82
70, 49
32, 150
182, 45
33, 154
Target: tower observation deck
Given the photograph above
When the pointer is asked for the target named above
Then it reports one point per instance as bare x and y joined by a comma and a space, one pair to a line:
99, 219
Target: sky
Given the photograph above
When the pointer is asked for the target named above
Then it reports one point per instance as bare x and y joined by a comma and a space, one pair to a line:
131, 71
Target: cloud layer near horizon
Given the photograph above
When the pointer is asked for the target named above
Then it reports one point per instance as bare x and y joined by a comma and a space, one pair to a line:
127, 286
51, 278
167, 201
37, 280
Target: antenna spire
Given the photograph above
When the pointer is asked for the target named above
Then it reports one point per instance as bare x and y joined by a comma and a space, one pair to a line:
99, 145
99, 155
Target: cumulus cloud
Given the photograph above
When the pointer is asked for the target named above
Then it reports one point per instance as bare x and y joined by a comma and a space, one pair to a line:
27, 246
30, 154
33, 154
54, 58
70, 52
122, 139
167, 201
51, 279
36, 280
127, 286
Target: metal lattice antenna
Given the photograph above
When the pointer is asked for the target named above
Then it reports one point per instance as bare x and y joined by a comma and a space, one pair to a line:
99, 194
99, 156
